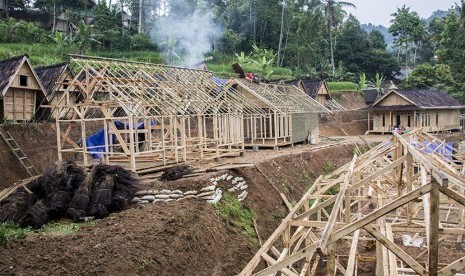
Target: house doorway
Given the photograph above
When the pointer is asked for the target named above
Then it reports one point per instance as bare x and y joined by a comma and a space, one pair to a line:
408, 120
398, 120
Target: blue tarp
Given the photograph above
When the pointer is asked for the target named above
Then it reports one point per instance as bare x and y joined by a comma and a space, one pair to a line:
444, 149
96, 142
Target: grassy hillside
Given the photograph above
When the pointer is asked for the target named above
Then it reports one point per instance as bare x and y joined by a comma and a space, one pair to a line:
46, 54
342, 86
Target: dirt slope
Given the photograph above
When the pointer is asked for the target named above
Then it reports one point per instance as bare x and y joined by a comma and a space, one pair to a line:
170, 238
175, 238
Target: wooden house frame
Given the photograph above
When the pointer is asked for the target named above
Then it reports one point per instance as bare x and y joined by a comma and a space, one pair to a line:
430, 109
21, 91
151, 115
292, 116
394, 189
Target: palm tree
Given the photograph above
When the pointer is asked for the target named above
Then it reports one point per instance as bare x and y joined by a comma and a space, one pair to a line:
170, 44
334, 13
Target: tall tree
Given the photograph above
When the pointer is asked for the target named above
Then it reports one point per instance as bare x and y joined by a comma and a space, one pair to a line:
450, 51
408, 30
332, 10
377, 40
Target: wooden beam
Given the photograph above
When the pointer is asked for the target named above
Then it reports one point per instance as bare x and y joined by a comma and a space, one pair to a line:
434, 230
352, 254
396, 250
379, 213
335, 211
453, 268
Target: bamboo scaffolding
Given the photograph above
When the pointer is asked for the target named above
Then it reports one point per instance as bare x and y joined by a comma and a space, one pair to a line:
395, 188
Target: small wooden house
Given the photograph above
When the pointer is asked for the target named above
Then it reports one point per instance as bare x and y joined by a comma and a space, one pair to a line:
21, 91
55, 79
317, 89
432, 110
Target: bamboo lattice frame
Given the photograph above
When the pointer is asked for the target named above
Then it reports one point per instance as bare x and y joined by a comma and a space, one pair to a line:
186, 114
393, 189
285, 106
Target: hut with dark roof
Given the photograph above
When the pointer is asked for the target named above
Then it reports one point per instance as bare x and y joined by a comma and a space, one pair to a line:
430, 109
370, 95
55, 79
317, 89
21, 91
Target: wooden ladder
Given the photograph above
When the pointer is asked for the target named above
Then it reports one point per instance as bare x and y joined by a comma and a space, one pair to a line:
18, 152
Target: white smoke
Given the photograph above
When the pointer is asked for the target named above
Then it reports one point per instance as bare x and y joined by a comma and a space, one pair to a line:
194, 34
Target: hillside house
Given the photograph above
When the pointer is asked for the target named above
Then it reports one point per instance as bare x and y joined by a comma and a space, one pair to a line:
317, 89
55, 80
21, 91
432, 110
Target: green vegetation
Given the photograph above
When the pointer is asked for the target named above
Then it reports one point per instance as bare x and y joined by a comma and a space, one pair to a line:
143, 265
63, 228
333, 190
328, 168
232, 210
342, 86
278, 215
10, 231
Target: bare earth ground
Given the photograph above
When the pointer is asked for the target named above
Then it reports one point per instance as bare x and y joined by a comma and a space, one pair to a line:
175, 238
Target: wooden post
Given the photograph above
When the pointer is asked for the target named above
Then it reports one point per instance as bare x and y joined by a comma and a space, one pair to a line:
58, 130
409, 172
368, 128
131, 143
105, 132
434, 228
390, 119
331, 259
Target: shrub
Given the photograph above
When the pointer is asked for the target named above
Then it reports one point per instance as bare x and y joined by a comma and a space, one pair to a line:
231, 209
10, 231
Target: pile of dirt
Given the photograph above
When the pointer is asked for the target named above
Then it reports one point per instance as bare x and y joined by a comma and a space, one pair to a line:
175, 238
65, 190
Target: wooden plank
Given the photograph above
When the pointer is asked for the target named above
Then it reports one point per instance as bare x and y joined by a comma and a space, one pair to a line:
453, 268
352, 254
392, 257
434, 230
335, 211
276, 234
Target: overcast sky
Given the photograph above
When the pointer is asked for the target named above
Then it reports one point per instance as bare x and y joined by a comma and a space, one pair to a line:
378, 11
